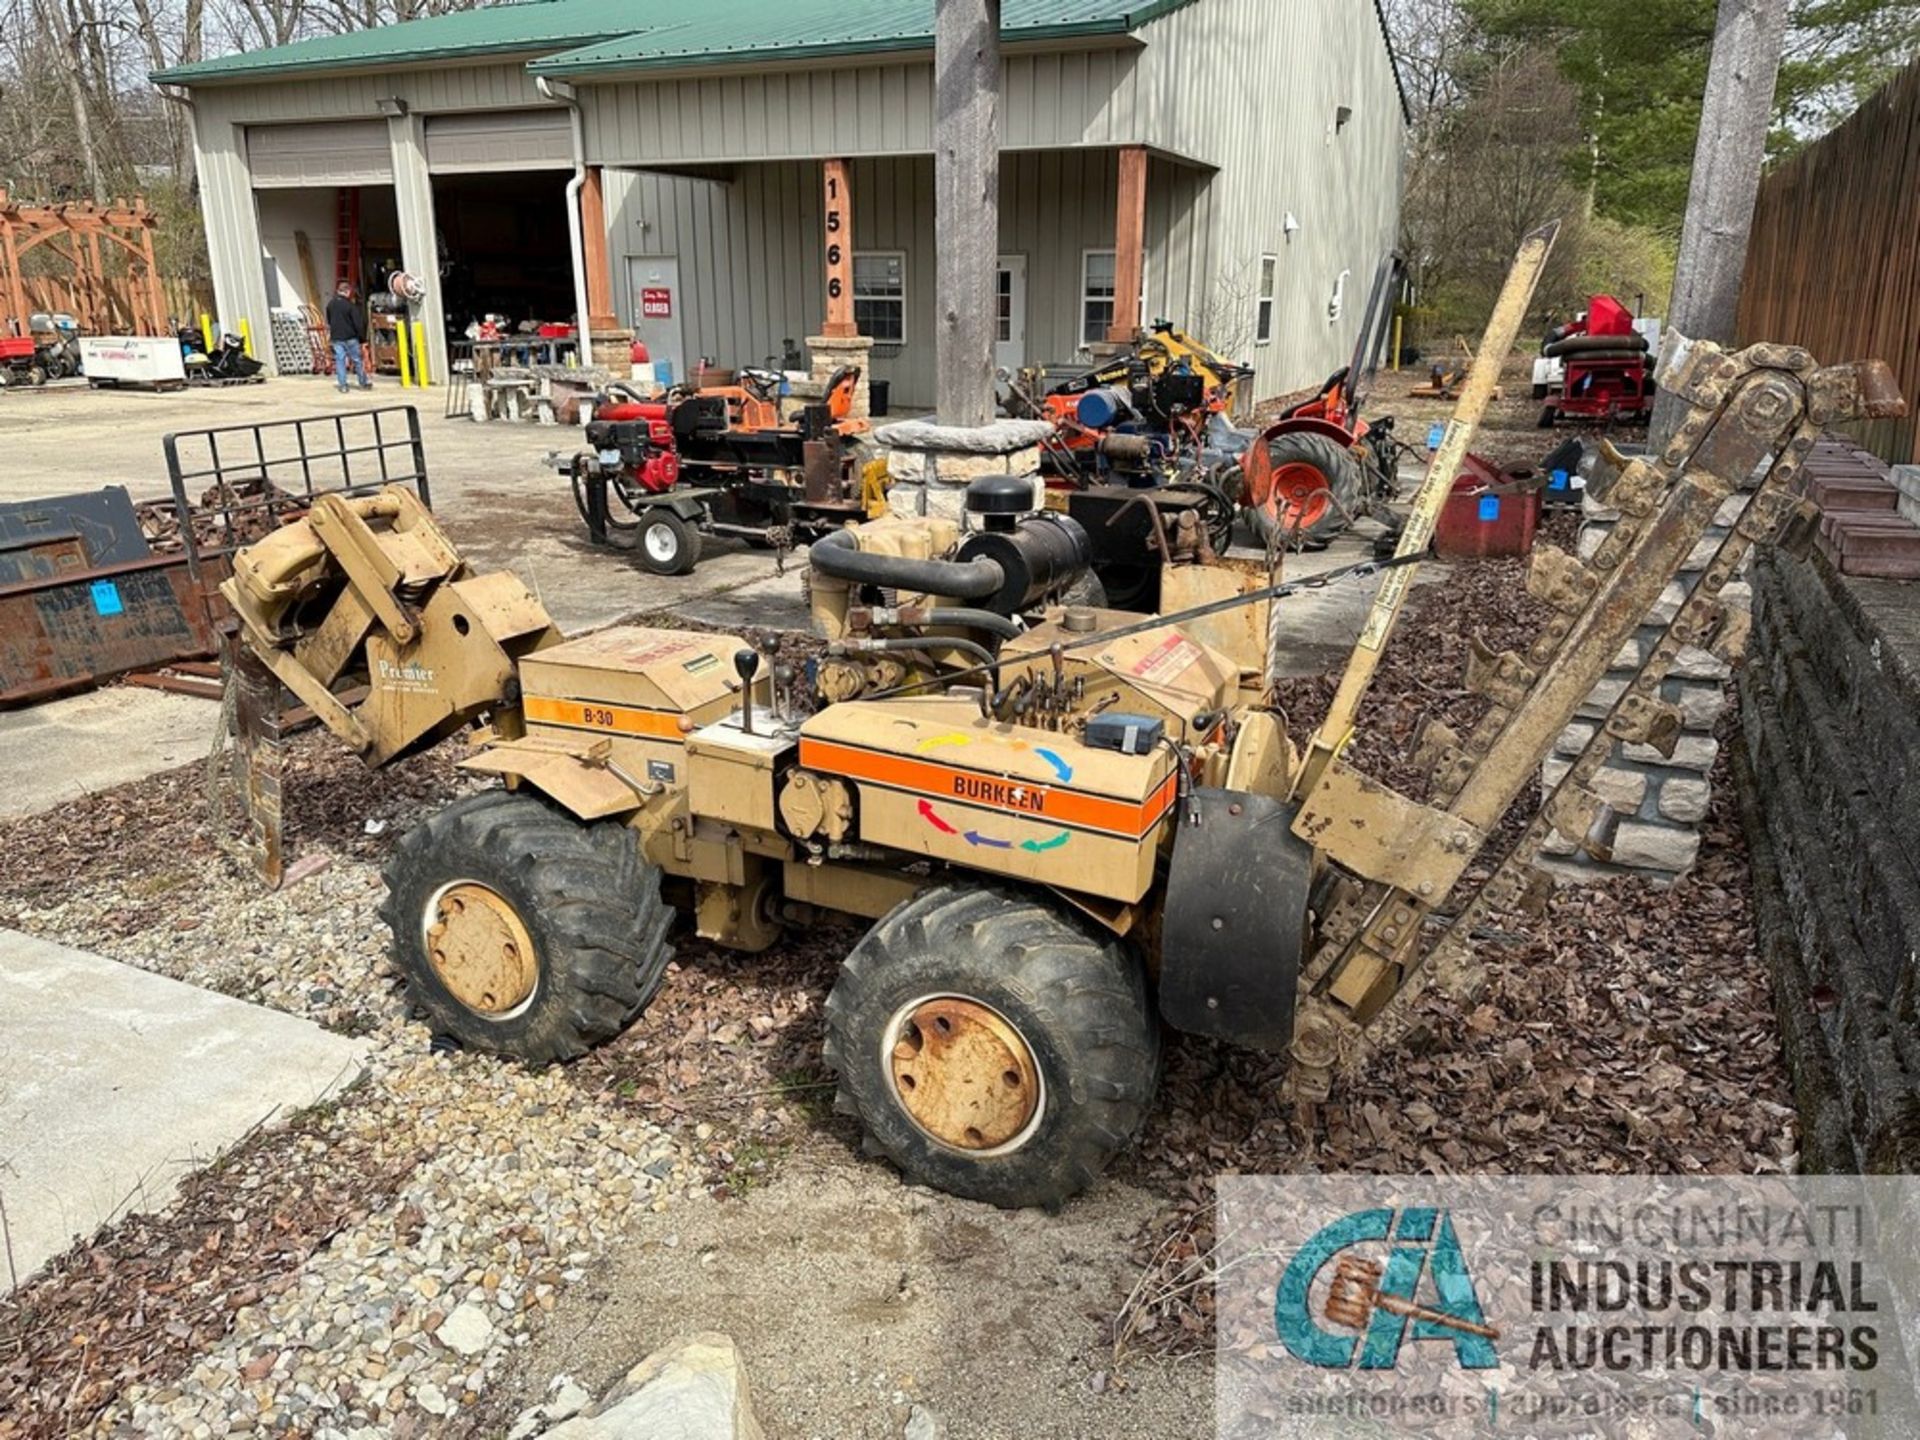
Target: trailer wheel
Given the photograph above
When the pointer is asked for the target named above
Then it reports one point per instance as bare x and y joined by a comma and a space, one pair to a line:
521, 930
36, 374
1314, 493
993, 1044
667, 544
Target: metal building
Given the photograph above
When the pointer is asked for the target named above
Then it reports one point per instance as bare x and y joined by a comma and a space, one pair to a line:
694, 141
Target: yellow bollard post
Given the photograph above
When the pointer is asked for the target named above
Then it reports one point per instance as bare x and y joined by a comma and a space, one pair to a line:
1398, 321
420, 353
406, 368
206, 333
246, 339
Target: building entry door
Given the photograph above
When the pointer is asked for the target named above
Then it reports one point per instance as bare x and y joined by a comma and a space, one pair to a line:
1010, 310
657, 308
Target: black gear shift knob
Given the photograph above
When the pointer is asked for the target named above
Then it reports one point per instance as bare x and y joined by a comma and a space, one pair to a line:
746, 664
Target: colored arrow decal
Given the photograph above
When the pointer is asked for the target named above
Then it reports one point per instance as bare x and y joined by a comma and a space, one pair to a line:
974, 837
1060, 767
934, 742
1038, 845
927, 814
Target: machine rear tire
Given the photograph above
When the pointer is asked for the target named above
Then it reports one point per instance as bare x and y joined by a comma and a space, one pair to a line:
666, 544
1339, 475
583, 896
1067, 1000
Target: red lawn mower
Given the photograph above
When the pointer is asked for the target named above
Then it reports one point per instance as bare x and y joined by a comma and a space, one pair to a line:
1320, 467
1607, 377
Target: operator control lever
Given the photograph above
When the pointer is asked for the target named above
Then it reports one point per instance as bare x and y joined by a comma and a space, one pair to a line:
746, 663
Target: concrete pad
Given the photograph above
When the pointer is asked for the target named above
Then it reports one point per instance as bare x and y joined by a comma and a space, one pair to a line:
65, 749
115, 1083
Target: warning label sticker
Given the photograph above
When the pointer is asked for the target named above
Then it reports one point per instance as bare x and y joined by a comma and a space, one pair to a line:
1166, 662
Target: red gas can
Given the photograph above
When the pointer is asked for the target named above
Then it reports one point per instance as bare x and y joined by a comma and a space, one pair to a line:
1478, 521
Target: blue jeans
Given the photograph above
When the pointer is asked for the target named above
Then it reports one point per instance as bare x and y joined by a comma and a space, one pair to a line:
345, 351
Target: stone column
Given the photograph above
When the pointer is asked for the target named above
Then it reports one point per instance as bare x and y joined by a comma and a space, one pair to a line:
1660, 800
840, 341
931, 465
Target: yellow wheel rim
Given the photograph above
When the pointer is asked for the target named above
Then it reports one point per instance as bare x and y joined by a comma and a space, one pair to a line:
964, 1075
480, 949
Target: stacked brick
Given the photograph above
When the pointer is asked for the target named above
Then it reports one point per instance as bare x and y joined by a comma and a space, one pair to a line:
1869, 517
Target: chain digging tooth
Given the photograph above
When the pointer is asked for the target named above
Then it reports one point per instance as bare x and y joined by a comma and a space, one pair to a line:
1642, 720
1583, 818
1502, 677
1795, 535
1729, 641
1536, 894
1557, 579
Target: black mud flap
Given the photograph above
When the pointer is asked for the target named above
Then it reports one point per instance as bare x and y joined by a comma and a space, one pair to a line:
1235, 921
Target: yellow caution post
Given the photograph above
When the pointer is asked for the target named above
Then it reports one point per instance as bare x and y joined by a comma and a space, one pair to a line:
206, 334
400, 339
246, 338
420, 353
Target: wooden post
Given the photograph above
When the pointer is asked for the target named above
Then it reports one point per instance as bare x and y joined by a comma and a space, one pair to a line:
966, 205
1129, 244
16, 285
156, 297
593, 244
837, 216
1734, 116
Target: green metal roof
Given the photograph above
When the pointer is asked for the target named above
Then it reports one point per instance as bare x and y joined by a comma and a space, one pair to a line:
587, 36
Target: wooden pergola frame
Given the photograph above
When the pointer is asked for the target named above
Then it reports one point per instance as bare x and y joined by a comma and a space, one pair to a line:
75, 229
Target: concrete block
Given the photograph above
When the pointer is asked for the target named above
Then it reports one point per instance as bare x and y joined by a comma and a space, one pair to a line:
1621, 789
1693, 663
1730, 511
1654, 847
115, 1083
1601, 698
1670, 601
1574, 738
1685, 800
1693, 752
908, 465
694, 1389
1700, 705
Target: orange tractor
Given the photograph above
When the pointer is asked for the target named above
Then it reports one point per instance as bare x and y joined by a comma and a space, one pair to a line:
1320, 466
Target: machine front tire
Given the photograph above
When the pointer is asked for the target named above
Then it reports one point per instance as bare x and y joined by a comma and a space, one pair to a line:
471, 890
667, 545
1304, 465
1021, 1034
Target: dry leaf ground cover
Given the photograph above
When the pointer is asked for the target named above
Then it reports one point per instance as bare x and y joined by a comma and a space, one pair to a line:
1627, 1030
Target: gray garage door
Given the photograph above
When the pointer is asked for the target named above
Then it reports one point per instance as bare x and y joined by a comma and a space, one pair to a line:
499, 140
331, 152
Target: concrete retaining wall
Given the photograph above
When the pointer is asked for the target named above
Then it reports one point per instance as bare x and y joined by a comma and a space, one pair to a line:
1830, 781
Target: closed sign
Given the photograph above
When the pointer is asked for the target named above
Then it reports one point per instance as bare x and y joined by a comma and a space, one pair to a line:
656, 302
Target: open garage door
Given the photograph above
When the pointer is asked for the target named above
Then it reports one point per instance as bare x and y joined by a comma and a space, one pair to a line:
498, 140
330, 152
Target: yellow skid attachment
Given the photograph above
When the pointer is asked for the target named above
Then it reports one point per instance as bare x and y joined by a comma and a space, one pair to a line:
933, 778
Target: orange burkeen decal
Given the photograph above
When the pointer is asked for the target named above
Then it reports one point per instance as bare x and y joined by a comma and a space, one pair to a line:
1075, 809
602, 719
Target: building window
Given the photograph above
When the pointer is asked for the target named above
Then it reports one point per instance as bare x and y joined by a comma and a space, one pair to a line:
880, 295
1263, 314
1096, 295
1003, 306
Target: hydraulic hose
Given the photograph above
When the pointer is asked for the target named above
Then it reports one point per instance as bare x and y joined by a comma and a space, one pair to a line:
986, 620
840, 556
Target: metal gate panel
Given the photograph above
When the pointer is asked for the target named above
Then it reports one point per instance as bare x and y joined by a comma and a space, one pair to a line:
328, 152
499, 140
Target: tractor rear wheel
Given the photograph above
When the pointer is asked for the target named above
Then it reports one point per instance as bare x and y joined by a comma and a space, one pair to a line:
521, 930
993, 1044
1316, 491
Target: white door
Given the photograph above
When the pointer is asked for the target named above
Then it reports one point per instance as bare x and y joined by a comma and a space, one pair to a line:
1010, 306
654, 282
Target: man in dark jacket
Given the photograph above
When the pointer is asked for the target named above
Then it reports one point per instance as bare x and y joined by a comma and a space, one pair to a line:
347, 329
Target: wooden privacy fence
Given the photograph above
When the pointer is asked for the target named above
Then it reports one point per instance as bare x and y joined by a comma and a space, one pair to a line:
1834, 263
